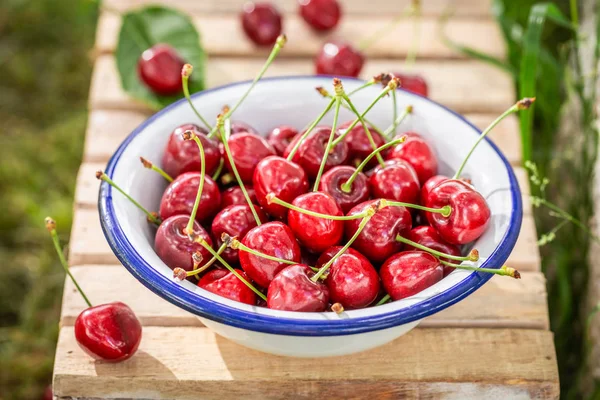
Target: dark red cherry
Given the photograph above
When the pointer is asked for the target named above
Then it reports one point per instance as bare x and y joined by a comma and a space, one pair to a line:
236, 221
180, 195
419, 154
316, 234
281, 177
281, 137
261, 23
226, 284
410, 272
359, 146
109, 332
239, 127
184, 156
274, 239
413, 83
247, 150
234, 195
352, 281
321, 15
429, 237
175, 248
339, 59
332, 181
470, 212
397, 180
378, 241
159, 68
311, 151
292, 290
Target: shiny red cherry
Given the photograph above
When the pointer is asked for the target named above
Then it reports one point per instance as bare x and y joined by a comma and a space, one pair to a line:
410, 272
419, 154
236, 221
429, 237
159, 68
321, 15
292, 290
378, 241
175, 248
281, 137
312, 149
239, 127
274, 239
430, 184
226, 284
180, 195
397, 180
352, 280
234, 195
247, 150
261, 23
281, 177
109, 332
332, 181
316, 234
184, 156
339, 59
413, 83
359, 146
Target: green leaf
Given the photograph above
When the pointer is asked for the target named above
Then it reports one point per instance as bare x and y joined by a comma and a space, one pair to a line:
142, 29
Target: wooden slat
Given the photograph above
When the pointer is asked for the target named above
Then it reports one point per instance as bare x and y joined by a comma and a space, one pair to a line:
192, 363
482, 34
465, 86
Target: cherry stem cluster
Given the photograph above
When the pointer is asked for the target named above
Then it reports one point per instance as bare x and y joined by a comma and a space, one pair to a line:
150, 165
178, 272
310, 129
271, 198
186, 72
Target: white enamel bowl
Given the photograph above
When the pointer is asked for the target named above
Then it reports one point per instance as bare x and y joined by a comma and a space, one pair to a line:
293, 101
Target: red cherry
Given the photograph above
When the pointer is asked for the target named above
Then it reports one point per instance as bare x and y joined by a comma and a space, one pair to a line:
429, 237
239, 127
281, 177
180, 195
352, 281
397, 180
292, 290
273, 239
226, 284
159, 68
312, 149
234, 195
234, 220
175, 248
339, 59
359, 146
316, 234
378, 241
410, 272
321, 15
332, 181
419, 154
430, 184
281, 137
247, 150
48, 395
109, 332
261, 23
470, 212
413, 83
184, 156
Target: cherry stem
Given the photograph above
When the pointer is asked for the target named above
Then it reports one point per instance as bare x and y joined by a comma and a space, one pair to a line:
370, 40
186, 72
383, 300
151, 217
150, 165
347, 186
208, 264
235, 244
473, 255
445, 211
310, 128
504, 271
216, 174
51, 227
363, 86
395, 111
271, 198
522, 104
392, 128
189, 135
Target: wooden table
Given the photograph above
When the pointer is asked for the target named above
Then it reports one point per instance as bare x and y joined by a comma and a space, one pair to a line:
494, 344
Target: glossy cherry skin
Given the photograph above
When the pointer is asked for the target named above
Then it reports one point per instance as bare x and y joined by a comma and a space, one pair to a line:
339, 59
332, 181
281, 137
352, 280
180, 195
159, 68
429, 237
236, 221
430, 184
397, 180
274, 239
285, 179
261, 23
239, 127
316, 234
359, 146
410, 272
226, 284
292, 290
175, 248
109, 332
378, 241
184, 156
312, 149
234, 195
419, 154
321, 15
470, 212
413, 83
247, 150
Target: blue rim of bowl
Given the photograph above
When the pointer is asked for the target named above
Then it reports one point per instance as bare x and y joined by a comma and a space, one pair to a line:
219, 312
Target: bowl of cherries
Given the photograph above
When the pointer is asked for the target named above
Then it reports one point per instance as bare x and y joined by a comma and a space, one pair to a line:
311, 224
